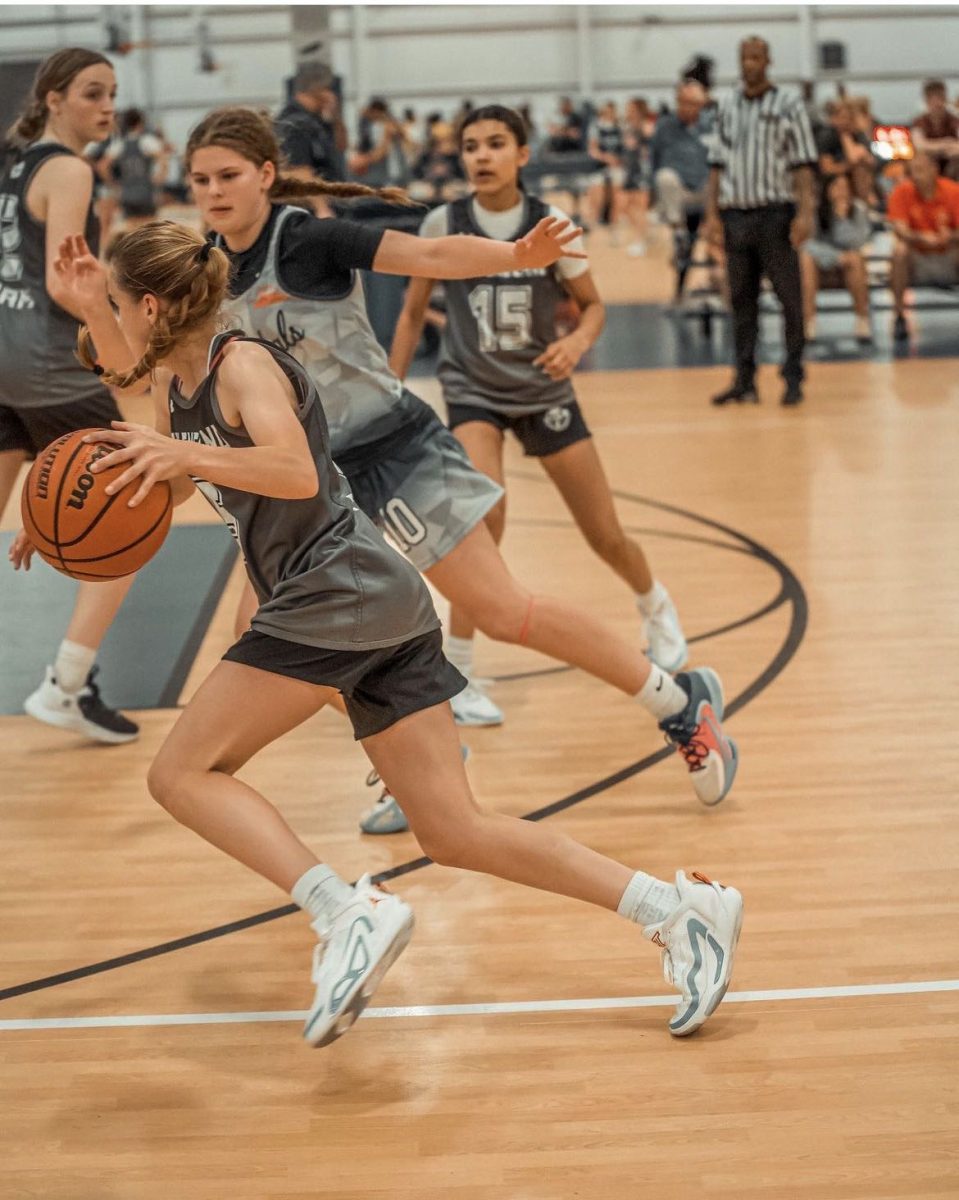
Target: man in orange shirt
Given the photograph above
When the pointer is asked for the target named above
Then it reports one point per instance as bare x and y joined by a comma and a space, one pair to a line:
924, 211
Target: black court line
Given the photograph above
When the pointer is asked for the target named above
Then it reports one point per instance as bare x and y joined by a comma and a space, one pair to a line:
791, 592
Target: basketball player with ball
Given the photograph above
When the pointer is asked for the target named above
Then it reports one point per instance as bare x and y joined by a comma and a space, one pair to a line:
46, 193
339, 610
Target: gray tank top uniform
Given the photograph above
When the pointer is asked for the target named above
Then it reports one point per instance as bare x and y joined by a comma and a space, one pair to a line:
497, 325
38, 338
407, 472
322, 573
363, 400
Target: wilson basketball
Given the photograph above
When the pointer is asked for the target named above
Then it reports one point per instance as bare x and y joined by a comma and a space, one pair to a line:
79, 529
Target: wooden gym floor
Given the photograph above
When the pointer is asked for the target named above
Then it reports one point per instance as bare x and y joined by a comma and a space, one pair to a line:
812, 554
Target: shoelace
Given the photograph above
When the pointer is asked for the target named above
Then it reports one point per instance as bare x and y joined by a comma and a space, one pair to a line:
694, 750
372, 780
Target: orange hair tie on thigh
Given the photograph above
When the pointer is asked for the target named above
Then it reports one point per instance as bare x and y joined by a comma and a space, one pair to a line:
524, 629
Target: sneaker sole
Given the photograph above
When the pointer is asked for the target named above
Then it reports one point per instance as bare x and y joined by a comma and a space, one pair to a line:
731, 766
394, 824
86, 728
722, 985
478, 722
361, 997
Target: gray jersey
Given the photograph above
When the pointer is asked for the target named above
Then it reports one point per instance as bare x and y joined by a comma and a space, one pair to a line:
362, 398
38, 339
497, 325
323, 574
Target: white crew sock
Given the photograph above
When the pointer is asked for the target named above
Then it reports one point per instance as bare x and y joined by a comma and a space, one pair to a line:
661, 695
648, 602
460, 653
647, 900
72, 666
322, 893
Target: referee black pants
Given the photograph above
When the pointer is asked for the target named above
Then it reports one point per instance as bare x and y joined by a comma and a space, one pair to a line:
757, 244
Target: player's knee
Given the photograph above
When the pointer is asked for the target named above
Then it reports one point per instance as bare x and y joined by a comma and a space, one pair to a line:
449, 846
162, 782
503, 620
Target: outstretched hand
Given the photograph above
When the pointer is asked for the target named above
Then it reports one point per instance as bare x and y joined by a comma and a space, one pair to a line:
547, 242
21, 551
81, 274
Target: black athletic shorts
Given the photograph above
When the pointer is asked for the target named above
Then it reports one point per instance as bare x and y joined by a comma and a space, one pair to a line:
33, 429
540, 434
379, 687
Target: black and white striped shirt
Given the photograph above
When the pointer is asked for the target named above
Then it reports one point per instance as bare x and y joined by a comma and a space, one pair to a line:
758, 142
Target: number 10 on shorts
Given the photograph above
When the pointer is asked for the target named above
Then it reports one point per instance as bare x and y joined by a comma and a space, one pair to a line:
402, 524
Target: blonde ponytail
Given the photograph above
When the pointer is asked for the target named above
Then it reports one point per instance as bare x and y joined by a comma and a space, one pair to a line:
180, 268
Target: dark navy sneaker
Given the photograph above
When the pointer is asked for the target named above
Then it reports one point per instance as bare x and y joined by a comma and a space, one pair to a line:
82, 712
697, 732
792, 395
739, 393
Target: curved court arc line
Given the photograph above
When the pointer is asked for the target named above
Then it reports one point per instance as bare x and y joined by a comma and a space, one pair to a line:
791, 592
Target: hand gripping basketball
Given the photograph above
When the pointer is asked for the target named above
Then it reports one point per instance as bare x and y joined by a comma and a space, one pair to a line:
82, 524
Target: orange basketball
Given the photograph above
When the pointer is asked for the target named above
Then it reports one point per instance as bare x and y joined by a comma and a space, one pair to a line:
79, 529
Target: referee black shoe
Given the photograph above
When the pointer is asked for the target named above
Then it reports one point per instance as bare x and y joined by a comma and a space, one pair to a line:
737, 394
792, 395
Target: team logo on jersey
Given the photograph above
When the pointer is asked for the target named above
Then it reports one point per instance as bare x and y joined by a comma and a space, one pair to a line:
268, 296
558, 419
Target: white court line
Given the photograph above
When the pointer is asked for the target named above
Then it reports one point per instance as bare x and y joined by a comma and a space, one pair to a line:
486, 1010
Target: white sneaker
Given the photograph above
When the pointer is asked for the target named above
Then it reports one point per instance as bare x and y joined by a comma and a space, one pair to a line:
473, 707
83, 712
667, 645
362, 942
698, 942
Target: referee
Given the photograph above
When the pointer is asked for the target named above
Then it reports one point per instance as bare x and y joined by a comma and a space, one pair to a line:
760, 202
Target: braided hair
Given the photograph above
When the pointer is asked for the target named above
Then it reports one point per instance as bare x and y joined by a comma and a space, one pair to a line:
250, 134
176, 265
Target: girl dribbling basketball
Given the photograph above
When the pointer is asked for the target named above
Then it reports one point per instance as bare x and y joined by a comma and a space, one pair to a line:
338, 610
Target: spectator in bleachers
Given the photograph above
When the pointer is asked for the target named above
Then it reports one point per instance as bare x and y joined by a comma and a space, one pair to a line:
438, 171
567, 133
638, 129
936, 131
924, 212
379, 160
846, 150
833, 255
678, 156
607, 147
